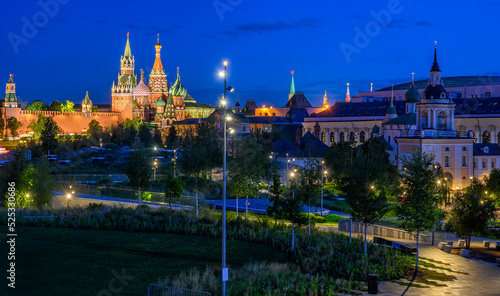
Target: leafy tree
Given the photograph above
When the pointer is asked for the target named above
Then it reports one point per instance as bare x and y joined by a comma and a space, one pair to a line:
37, 105
471, 211
292, 210
276, 209
2, 127
493, 184
245, 168
418, 210
207, 136
338, 160
95, 108
68, 107
308, 187
95, 130
129, 135
172, 137
117, 134
37, 126
138, 169
144, 134
173, 187
56, 106
48, 134
13, 126
157, 137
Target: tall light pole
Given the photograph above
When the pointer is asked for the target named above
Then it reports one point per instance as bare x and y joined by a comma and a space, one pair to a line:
287, 177
323, 174
225, 272
154, 173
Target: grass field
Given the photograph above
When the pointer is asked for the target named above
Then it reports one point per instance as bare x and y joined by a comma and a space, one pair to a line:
57, 261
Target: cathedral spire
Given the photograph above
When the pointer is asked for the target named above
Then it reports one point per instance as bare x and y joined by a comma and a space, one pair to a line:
325, 101
158, 66
435, 66
292, 86
348, 95
128, 52
392, 95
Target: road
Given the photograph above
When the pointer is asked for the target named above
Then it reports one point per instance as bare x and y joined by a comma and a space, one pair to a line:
82, 200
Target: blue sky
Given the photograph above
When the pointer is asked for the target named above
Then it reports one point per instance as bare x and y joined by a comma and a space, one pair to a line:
78, 46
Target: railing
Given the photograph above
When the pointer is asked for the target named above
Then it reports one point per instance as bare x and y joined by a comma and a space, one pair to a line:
429, 133
155, 290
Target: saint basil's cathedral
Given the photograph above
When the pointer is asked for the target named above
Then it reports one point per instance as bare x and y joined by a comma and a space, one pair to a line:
154, 102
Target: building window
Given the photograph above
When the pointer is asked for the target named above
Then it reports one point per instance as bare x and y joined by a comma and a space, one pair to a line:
424, 119
351, 137
447, 149
430, 149
323, 137
475, 165
470, 134
498, 140
362, 137
484, 164
332, 137
464, 148
487, 94
486, 137
441, 121
446, 162
342, 137
459, 95
464, 161
492, 165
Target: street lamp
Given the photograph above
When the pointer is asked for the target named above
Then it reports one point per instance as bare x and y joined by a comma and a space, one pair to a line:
322, 188
155, 165
225, 271
68, 196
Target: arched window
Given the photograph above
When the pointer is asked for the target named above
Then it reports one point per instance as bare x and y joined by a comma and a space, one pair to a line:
441, 121
464, 161
351, 137
464, 181
486, 137
323, 136
332, 137
362, 137
470, 134
342, 137
244, 128
424, 120
447, 162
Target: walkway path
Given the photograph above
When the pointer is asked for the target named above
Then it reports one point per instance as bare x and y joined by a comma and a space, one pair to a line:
483, 278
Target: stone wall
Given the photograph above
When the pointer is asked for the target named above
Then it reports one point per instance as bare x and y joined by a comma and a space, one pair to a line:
385, 231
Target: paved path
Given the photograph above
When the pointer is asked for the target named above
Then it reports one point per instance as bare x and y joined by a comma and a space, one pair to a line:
483, 278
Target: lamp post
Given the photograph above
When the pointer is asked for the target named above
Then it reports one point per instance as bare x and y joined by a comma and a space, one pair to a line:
225, 274
154, 173
68, 196
287, 178
322, 188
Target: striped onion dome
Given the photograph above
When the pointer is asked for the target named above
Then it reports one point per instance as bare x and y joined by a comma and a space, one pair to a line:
142, 90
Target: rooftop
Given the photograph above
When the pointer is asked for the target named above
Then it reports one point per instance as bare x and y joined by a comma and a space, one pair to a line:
455, 81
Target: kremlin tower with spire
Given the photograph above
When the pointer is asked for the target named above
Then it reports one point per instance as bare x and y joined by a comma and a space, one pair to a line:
122, 93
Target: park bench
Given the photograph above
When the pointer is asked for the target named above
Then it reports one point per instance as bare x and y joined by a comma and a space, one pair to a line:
405, 248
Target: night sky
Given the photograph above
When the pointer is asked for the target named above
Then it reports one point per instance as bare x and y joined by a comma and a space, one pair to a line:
78, 47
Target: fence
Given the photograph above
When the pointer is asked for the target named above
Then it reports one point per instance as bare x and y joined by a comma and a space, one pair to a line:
155, 290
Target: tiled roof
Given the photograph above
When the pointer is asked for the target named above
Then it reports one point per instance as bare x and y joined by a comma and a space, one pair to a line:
267, 119
477, 106
456, 81
298, 100
493, 149
344, 109
198, 105
405, 119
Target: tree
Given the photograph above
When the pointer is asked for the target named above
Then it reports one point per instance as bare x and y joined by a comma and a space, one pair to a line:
309, 179
471, 211
493, 184
365, 181
56, 106
276, 208
157, 137
172, 137
245, 168
13, 126
37, 126
173, 186
138, 169
68, 107
207, 136
48, 134
418, 210
2, 127
95, 108
144, 134
95, 130
37, 105
292, 211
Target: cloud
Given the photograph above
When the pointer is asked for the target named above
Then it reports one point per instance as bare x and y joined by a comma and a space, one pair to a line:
260, 28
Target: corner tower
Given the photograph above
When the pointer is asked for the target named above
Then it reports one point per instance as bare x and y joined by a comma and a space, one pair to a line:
10, 94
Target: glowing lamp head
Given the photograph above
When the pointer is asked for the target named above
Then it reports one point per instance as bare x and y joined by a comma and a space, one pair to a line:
231, 131
68, 195
225, 63
228, 118
223, 102
222, 73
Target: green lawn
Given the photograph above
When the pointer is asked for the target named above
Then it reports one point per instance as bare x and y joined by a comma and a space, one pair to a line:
59, 261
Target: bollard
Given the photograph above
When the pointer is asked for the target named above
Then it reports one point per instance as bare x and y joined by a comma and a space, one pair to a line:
373, 284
